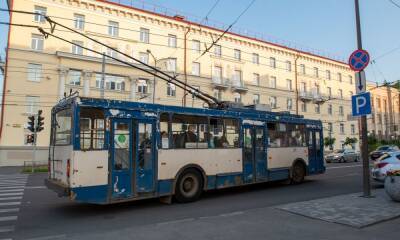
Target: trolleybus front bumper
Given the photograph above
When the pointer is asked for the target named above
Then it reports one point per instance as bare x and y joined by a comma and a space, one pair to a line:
56, 186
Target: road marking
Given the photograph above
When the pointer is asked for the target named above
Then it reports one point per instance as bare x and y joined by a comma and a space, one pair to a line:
6, 229
10, 198
11, 194
9, 203
36, 187
176, 221
231, 214
49, 237
12, 190
8, 218
5, 188
9, 210
358, 165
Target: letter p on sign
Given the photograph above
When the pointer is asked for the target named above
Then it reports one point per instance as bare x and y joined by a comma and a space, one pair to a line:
361, 104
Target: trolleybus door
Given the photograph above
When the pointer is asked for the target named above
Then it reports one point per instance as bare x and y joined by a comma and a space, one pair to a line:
145, 167
254, 154
121, 155
315, 154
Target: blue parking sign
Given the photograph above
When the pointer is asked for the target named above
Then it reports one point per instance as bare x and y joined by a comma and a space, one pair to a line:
361, 104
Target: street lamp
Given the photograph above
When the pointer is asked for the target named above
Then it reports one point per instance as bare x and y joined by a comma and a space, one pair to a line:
154, 79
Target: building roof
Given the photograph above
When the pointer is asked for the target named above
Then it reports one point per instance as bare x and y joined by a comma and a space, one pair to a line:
183, 20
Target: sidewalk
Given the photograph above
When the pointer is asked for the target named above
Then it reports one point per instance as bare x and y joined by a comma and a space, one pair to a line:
352, 209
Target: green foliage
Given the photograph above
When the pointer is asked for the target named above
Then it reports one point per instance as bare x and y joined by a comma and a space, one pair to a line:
329, 141
350, 141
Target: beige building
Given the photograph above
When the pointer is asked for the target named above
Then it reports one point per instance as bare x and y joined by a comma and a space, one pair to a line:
384, 121
239, 68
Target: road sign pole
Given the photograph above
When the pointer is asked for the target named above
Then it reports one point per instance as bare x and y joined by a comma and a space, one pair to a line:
364, 137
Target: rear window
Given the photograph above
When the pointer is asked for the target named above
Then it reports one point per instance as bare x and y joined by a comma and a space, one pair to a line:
62, 128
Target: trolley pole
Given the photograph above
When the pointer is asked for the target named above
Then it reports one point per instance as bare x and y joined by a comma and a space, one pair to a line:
364, 137
103, 76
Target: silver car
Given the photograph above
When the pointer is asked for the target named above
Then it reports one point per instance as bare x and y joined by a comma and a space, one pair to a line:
343, 155
387, 162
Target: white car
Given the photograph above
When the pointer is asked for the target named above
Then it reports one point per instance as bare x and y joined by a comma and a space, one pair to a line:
387, 162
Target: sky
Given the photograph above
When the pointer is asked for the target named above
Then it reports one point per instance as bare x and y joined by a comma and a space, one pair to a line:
328, 25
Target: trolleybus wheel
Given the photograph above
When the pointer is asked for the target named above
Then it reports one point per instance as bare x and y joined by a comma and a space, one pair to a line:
298, 173
189, 186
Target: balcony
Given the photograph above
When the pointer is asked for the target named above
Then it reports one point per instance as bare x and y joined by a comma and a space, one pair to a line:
305, 96
319, 98
239, 86
220, 83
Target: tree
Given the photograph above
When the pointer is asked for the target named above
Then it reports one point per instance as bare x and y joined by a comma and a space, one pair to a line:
329, 142
350, 141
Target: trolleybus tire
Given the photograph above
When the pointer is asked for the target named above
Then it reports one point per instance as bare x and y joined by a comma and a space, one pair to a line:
189, 186
298, 173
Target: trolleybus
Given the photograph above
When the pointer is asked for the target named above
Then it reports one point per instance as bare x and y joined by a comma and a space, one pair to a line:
108, 151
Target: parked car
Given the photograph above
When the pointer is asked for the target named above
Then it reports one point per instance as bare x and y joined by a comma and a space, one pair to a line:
387, 162
381, 150
343, 155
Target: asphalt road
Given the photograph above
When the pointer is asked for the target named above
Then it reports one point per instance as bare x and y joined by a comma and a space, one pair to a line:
234, 213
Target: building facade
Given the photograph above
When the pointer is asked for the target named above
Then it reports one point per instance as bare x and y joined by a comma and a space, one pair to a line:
384, 121
238, 68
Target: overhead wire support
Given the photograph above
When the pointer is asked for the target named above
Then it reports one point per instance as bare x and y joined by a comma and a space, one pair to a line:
226, 30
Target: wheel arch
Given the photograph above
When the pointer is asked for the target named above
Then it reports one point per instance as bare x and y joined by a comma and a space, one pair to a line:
301, 161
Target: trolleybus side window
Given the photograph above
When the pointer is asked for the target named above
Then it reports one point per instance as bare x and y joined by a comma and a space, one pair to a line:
286, 135
224, 133
91, 125
189, 131
63, 127
164, 131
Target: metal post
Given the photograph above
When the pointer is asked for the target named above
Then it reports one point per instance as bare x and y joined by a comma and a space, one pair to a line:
35, 141
154, 81
364, 137
103, 76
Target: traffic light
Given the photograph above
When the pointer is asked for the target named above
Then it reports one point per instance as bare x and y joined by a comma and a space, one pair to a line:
31, 123
30, 138
40, 122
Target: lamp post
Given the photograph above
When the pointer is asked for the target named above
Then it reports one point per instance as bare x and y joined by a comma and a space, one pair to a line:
154, 77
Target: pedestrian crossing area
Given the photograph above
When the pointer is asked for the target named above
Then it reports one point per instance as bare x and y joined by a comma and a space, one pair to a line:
12, 188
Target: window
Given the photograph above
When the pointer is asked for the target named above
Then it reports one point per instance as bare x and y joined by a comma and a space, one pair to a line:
317, 108
196, 69
330, 127
218, 94
237, 97
289, 84
113, 28
142, 86
40, 14
256, 79
74, 77
328, 74
237, 54
341, 112
272, 82
112, 82
196, 45
303, 107
77, 47
256, 98
112, 53
329, 90
339, 76
224, 133
272, 62
144, 35
286, 135
144, 57
171, 64
316, 72
330, 109
272, 102
288, 66
217, 75
91, 124
164, 130
350, 79
341, 128
32, 104
256, 58
172, 41
340, 93
63, 126
189, 131
353, 129
289, 104
303, 87
302, 69
237, 78
79, 21
34, 72
37, 42
217, 50
171, 90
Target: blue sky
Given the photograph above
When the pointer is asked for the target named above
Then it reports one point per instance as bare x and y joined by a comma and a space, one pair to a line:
327, 25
